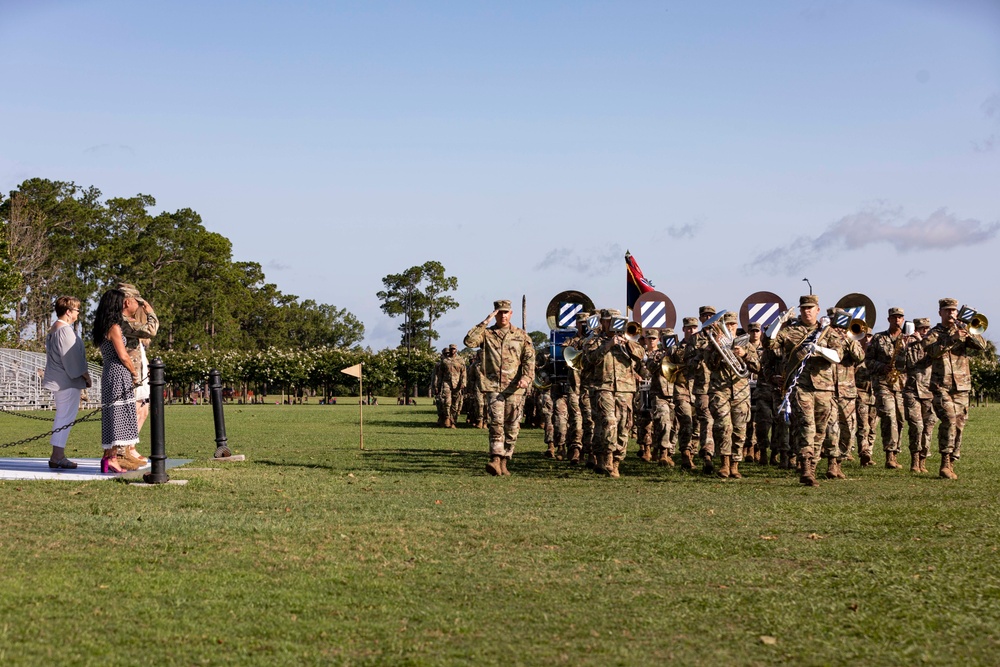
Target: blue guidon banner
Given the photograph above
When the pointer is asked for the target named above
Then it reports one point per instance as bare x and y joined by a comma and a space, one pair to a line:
567, 314
653, 315
594, 322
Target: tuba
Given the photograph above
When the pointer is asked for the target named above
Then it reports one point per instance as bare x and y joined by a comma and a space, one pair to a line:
723, 342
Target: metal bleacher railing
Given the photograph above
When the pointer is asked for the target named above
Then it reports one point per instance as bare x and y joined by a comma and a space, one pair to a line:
21, 375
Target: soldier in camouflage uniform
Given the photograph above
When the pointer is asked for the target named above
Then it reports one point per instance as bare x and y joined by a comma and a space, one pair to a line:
616, 363
886, 361
442, 409
769, 382
729, 398
580, 424
643, 406
451, 378
918, 398
506, 371
811, 353
662, 391
751, 452
867, 414
948, 345
475, 392
702, 376
542, 390
843, 424
683, 398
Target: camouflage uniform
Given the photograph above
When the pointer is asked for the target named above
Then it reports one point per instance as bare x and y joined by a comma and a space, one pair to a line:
951, 382
918, 401
867, 415
769, 395
508, 364
729, 400
579, 423
886, 361
662, 392
812, 396
840, 431
683, 401
442, 408
477, 417
615, 366
452, 379
702, 376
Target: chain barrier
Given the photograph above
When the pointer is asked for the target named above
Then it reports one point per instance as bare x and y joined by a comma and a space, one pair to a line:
89, 417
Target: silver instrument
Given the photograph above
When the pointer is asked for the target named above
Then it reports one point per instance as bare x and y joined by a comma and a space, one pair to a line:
724, 343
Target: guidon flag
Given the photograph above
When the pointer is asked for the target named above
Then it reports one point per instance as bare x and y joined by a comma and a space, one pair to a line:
637, 283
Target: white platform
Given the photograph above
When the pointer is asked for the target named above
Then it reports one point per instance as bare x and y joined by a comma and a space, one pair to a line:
86, 470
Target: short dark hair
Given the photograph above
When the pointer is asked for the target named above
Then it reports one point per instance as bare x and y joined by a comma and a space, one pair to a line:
65, 304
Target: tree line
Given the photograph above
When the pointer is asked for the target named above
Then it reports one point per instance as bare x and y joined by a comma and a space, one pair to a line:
60, 238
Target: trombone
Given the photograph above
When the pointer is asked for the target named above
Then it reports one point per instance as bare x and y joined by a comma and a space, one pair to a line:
976, 322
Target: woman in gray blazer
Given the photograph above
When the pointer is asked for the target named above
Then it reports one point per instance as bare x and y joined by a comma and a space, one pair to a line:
65, 375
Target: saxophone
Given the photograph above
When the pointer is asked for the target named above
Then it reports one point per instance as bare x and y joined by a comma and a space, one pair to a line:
893, 376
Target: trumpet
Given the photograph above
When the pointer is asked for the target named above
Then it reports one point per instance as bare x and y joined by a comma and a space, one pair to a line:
976, 322
633, 330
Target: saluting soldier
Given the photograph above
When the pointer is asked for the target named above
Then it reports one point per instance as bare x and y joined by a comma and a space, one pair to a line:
887, 368
506, 371
918, 400
616, 361
948, 344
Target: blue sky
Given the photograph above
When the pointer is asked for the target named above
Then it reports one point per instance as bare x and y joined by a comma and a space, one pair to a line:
731, 146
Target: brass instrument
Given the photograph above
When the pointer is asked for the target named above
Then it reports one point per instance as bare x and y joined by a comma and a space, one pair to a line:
541, 381
724, 343
893, 376
976, 321
670, 371
858, 329
633, 330
571, 356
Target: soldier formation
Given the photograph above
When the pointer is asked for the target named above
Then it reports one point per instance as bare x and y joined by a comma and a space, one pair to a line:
809, 389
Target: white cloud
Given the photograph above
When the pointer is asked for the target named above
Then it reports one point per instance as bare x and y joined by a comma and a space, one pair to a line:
595, 263
875, 225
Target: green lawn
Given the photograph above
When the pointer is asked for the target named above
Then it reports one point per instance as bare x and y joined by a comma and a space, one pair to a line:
407, 553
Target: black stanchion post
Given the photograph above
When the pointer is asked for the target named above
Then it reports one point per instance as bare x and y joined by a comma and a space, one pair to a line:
221, 443
158, 454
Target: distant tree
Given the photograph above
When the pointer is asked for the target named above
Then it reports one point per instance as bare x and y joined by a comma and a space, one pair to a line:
420, 296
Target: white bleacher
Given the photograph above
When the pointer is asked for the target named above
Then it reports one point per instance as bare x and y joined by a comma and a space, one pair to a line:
21, 382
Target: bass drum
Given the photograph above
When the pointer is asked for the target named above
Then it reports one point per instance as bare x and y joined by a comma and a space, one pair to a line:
562, 309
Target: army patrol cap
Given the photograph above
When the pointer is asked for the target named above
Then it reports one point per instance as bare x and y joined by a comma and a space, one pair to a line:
754, 326
947, 303
896, 310
651, 333
667, 332
453, 347
501, 305
691, 322
582, 316
809, 300
706, 310
130, 290
610, 313
921, 323
730, 317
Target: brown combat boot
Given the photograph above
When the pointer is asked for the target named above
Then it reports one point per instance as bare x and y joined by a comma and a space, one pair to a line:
592, 463
614, 474
493, 467
914, 462
947, 469
751, 453
550, 453
665, 459
709, 467
808, 476
923, 463
574, 458
503, 466
687, 461
734, 469
646, 455
833, 470
560, 452
608, 464
452, 423
890, 461
774, 459
849, 457
866, 460
724, 468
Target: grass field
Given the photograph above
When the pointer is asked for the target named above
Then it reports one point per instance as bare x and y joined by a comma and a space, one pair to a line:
407, 553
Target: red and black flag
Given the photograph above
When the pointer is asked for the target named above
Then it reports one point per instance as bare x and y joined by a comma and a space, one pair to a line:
637, 283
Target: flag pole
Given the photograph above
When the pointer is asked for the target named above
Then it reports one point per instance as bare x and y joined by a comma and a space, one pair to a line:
361, 408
